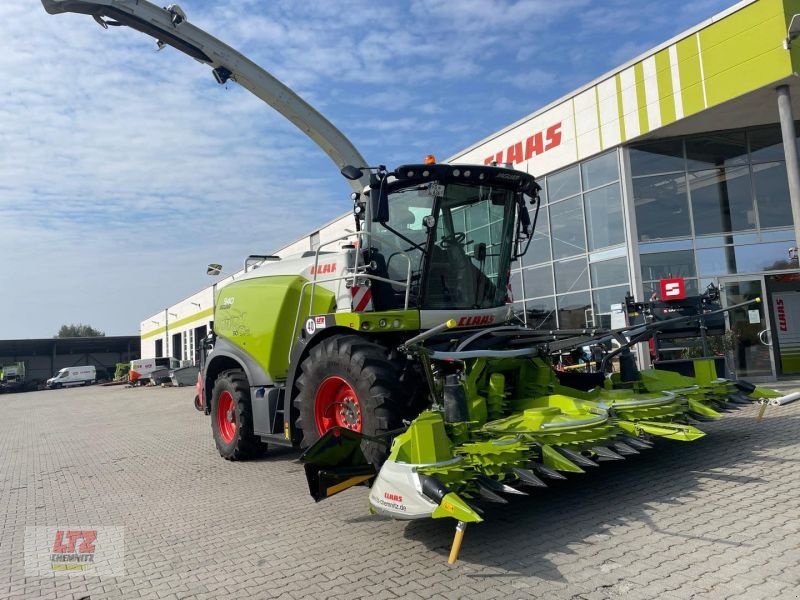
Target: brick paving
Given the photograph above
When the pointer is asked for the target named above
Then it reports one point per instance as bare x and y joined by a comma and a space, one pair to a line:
716, 518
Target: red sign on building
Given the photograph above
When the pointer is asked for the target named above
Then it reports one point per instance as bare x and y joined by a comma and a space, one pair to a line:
673, 288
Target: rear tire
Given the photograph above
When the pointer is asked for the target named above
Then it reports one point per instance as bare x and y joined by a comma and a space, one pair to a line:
348, 381
231, 417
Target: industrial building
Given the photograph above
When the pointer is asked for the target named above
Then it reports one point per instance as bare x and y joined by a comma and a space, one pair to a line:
680, 164
44, 357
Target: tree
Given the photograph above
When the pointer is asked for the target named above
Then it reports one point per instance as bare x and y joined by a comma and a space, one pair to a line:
79, 330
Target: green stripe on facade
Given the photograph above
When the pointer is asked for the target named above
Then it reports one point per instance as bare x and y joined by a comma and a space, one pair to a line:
621, 111
641, 97
689, 71
179, 323
666, 98
599, 122
744, 51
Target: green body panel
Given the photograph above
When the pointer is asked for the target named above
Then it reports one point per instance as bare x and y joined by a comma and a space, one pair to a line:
705, 371
393, 320
258, 315
424, 442
454, 507
762, 392
551, 458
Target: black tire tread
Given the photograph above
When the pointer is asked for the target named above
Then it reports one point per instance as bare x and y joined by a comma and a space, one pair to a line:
247, 444
368, 363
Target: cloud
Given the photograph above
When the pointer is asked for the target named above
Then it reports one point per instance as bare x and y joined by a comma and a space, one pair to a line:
125, 170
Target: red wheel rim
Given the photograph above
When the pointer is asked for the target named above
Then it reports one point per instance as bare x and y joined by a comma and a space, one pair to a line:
226, 417
336, 405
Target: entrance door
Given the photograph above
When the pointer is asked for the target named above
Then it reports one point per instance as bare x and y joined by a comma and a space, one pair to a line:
752, 338
784, 294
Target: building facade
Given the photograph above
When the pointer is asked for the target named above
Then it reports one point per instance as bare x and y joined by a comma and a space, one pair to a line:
679, 164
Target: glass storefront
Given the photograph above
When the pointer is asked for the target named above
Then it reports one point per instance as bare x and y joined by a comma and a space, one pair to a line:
576, 266
714, 208
712, 205
710, 208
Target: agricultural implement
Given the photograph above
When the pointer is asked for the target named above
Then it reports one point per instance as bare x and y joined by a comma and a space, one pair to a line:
501, 423
388, 354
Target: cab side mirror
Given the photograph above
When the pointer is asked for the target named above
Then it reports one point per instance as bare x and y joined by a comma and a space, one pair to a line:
352, 173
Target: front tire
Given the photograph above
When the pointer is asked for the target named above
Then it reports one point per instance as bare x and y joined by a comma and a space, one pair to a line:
350, 382
231, 417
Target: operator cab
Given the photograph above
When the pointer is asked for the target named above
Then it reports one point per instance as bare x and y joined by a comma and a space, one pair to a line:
453, 228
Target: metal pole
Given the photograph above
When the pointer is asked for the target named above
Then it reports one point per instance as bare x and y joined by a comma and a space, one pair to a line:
790, 150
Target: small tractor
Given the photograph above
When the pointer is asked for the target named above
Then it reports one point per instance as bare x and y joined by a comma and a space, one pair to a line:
391, 356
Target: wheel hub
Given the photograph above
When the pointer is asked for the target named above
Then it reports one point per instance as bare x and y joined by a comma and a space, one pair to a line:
350, 414
226, 417
336, 404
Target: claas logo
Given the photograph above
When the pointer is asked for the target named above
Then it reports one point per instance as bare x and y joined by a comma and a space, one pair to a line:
538, 143
321, 269
476, 320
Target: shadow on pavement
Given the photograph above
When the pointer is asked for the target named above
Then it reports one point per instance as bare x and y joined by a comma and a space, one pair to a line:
518, 536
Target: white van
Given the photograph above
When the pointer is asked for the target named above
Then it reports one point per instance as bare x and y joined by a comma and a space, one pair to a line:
73, 376
143, 367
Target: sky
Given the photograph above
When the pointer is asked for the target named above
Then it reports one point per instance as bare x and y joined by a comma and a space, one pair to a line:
125, 171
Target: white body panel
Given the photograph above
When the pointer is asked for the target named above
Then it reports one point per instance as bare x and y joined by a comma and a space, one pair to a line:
145, 366
397, 493
73, 376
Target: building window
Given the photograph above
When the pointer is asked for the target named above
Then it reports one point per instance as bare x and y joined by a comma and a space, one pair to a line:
575, 311
540, 313
603, 300
609, 272
662, 206
722, 200
539, 250
766, 144
566, 228
663, 156
571, 275
772, 195
585, 209
604, 224
661, 265
600, 171
538, 281
721, 149
563, 184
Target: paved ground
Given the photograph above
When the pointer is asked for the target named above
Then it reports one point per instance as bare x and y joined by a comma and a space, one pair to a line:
716, 518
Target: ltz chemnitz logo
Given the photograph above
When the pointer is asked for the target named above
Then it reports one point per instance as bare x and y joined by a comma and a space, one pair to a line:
73, 549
